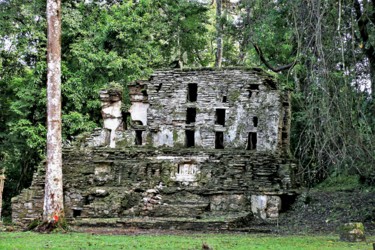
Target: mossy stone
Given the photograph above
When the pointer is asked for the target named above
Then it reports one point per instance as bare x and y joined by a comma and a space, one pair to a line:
352, 232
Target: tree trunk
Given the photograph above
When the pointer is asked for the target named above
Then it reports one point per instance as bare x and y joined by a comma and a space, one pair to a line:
368, 48
219, 38
53, 197
372, 77
246, 34
2, 180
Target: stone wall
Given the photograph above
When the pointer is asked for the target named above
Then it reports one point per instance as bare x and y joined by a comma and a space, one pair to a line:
232, 108
193, 144
105, 183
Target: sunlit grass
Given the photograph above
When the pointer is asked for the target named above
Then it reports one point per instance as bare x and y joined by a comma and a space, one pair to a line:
28, 240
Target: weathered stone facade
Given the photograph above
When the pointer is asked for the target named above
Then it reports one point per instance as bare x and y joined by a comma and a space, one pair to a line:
193, 144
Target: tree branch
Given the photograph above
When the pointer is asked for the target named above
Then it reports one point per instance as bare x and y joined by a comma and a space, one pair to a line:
362, 26
263, 59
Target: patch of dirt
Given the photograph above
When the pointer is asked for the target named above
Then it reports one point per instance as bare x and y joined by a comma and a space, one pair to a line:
324, 212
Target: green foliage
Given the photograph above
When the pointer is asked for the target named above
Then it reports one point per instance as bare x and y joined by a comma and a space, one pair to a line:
340, 183
122, 41
101, 43
76, 123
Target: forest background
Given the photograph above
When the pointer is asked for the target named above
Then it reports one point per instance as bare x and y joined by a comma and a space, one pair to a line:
323, 51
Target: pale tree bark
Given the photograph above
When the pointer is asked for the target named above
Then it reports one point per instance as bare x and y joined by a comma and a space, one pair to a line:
2, 180
53, 197
246, 33
219, 38
363, 20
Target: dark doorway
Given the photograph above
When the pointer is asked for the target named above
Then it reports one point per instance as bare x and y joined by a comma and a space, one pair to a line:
255, 121
138, 137
252, 141
125, 116
189, 138
220, 117
191, 113
219, 140
192, 92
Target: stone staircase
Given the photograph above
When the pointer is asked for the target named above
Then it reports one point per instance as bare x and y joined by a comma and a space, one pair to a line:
232, 222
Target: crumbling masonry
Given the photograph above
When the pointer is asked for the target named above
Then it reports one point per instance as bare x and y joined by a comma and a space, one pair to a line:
194, 145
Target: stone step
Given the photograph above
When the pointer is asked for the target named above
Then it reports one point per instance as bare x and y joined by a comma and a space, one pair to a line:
181, 210
154, 223
219, 223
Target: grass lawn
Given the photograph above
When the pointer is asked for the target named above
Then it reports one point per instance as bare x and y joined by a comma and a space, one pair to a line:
29, 240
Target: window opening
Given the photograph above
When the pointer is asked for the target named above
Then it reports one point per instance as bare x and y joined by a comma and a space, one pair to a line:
159, 87
284, 135
138, 137
191, 114
253, 89
189, 138
219, 140
225, 98
220, 117
144, 92
125, 119
252, 141
192, 92
76, 212
255, 121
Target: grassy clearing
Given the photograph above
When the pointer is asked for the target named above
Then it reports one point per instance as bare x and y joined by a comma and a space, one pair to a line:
28, 240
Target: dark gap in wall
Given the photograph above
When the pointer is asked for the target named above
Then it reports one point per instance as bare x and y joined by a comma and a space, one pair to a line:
125, 116
220, 117
138, 137
144, 92
253, 89
287, 201
286, 104
270, 83
137, 122
189, 138
225, 98
254, 86
158, 88
76, 212
191, 114
153, 171
192, 92
255, 121
219, 140
252, 141
88, 199
284, 135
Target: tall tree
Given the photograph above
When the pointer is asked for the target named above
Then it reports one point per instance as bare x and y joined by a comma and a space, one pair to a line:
365, 16
219, 37
53, 197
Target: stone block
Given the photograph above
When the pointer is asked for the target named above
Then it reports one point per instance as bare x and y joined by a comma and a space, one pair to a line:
352, 232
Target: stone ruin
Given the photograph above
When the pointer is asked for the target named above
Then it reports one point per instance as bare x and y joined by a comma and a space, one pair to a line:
197, 149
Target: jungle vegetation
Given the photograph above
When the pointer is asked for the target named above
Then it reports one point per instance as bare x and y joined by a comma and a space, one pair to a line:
322, 51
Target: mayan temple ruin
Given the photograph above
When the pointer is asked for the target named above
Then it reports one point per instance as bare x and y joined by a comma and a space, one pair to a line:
194, 149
